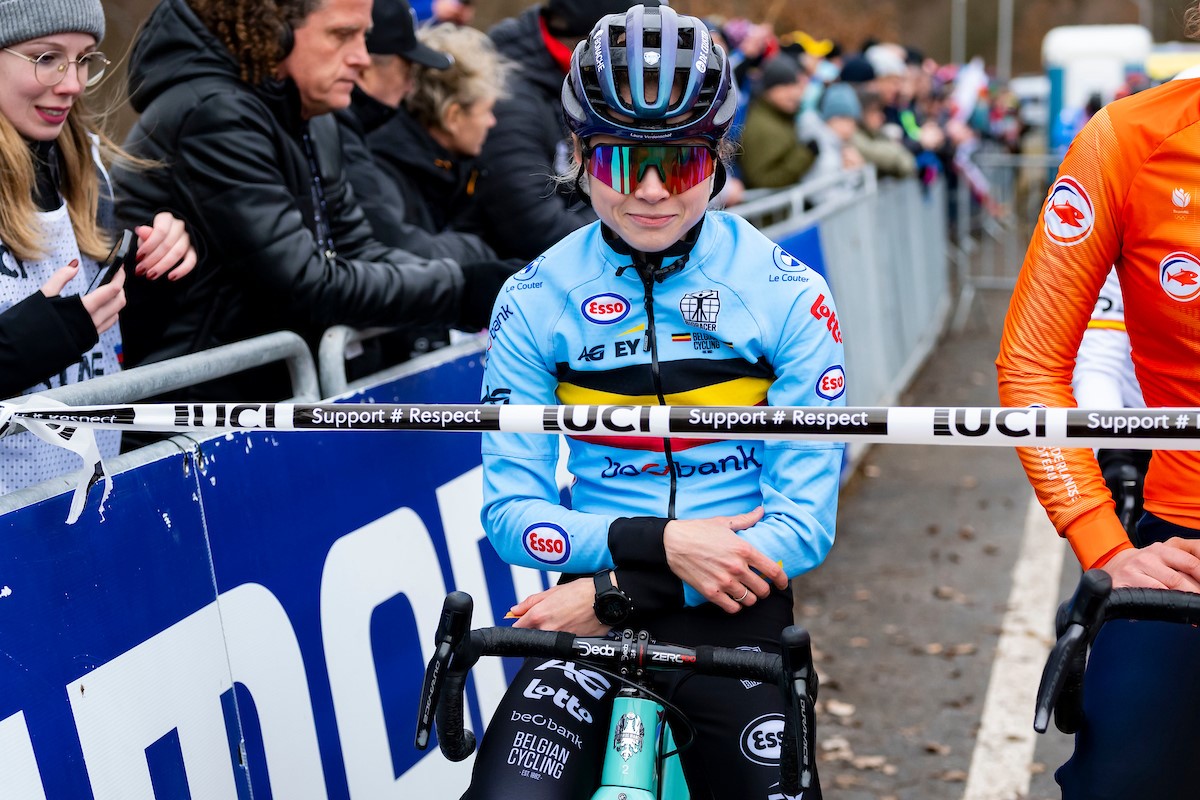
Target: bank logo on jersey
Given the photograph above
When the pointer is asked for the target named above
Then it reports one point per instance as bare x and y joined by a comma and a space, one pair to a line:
547, 543
1069, 214
700, 309
605, 309
788, 262
1179, 276
762, 740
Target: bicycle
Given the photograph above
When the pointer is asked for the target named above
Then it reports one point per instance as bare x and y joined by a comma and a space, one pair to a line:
1079, 620
633, 769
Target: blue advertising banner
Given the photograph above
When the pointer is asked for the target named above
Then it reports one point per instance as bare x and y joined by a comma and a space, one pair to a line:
251, 617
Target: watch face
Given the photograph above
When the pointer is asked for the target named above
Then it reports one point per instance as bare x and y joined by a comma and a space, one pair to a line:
612, 609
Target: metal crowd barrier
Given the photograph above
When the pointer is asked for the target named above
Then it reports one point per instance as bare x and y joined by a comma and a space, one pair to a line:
989, 246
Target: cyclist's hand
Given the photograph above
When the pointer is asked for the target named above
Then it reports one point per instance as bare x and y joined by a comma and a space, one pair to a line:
566, 607
164, 248
708, 555
1173, 564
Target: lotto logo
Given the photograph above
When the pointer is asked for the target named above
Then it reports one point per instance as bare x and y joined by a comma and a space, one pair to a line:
547, 543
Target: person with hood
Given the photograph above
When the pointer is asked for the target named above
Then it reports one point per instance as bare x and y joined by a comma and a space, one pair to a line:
58, 315
234, 97
396, 54
524, 209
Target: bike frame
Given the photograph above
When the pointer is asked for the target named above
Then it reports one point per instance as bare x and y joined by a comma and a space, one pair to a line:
637, 733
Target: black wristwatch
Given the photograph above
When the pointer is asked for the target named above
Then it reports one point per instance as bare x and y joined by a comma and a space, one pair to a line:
612, 606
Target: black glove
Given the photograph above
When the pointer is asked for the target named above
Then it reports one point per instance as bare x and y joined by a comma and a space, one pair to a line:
481, 283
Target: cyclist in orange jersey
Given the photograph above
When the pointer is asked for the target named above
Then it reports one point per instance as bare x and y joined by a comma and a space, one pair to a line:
1124, 197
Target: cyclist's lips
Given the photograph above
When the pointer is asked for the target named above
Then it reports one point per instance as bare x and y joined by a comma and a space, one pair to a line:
652, 220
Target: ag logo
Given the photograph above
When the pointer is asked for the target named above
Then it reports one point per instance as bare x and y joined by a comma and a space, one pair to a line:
547, 543
762, 740
605, 309
832, 383
1177, 274
1069, 215
788, 262
530, 269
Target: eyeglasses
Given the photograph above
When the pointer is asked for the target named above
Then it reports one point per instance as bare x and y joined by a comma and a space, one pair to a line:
623, 166
51, 67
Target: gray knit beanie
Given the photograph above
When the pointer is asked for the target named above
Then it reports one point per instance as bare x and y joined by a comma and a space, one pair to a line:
22, 20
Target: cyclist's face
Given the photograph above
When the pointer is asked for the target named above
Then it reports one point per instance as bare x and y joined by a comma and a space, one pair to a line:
651, 218
39, 112
330, 55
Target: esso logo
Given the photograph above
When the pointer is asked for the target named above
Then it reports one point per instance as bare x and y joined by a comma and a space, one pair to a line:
1069, 215
788, 262
530, 269
547, 543
605, 309
762, 740
1179, 276
832, 383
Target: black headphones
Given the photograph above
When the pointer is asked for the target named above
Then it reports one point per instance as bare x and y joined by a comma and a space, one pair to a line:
287, 39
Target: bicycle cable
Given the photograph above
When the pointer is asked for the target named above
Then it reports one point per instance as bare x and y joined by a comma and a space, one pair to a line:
668, 707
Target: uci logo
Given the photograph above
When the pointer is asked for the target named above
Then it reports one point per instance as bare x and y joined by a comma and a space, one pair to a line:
547, 543
788, 262
605, 309
762, 740
832, 383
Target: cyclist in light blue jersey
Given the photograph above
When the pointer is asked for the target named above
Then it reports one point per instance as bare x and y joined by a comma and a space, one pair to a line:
660, 302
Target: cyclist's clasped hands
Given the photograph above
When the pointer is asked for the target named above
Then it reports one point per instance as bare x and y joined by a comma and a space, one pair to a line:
708, 555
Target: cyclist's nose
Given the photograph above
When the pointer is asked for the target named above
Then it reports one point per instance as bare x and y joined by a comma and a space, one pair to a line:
651, 187
70, 85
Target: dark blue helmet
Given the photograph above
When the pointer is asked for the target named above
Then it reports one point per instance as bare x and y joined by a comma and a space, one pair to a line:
642, 48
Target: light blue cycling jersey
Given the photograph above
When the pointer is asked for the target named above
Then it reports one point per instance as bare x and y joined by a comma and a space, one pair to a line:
743, 323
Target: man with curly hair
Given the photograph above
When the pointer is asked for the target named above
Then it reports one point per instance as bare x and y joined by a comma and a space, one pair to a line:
235, 98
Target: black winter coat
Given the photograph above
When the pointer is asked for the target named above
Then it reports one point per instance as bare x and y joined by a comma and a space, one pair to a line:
524, 212
395, 209
281, 247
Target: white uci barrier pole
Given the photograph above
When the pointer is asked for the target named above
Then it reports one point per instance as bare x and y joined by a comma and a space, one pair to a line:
1144, 429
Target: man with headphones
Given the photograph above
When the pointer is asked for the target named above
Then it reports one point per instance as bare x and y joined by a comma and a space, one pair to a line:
235, 98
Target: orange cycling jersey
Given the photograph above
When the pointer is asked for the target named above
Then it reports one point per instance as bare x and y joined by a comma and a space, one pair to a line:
1124, 197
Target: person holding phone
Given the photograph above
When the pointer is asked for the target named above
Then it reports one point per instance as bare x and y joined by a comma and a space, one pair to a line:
55, 217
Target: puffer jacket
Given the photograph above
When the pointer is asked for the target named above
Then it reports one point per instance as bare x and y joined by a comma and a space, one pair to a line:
523, 211
283, 243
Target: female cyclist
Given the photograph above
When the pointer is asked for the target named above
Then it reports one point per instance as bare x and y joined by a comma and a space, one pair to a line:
55, 221
659, 302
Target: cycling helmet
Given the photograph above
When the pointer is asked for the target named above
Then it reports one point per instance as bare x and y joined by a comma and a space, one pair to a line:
642, 48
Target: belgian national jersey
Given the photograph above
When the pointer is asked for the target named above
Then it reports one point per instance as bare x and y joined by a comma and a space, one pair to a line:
1127, 195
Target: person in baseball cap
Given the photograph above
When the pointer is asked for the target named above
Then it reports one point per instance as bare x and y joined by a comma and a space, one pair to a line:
394, 33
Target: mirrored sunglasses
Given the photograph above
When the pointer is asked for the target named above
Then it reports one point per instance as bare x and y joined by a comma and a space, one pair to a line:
623, 166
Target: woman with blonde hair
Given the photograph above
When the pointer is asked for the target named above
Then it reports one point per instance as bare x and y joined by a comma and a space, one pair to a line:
429, 147
56, 210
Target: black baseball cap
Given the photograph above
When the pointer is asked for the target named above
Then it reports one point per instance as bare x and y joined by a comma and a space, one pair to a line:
394, 33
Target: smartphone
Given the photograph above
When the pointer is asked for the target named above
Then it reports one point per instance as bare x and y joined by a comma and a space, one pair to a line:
123, 254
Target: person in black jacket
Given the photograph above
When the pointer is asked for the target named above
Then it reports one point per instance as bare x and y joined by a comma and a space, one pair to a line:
58, 324
396, 55
254, 160
428, 149
523, 208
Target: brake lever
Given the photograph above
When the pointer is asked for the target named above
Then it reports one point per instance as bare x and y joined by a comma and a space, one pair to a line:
1084, 613
452, 627
801, 678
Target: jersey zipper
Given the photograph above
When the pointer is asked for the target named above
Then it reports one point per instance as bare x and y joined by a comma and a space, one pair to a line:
648, 301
